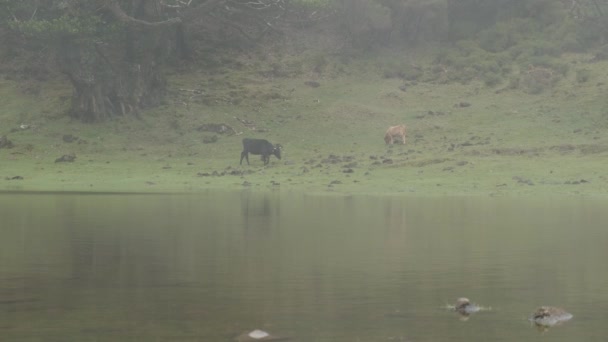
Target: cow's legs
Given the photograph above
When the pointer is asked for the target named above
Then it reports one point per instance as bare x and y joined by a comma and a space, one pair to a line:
246, 156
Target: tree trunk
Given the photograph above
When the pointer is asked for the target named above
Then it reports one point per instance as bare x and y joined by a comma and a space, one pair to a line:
104, 88
119, 76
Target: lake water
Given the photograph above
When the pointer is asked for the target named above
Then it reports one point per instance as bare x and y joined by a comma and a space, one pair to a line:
78, 267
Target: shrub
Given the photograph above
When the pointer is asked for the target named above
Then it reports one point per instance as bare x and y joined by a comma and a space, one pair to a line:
402, 69
583, 75
513, 82
602, 53
491, 79
531, 48
412, 72
535, 80
554, 64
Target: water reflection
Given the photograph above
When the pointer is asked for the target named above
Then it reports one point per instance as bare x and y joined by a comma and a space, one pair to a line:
210, 267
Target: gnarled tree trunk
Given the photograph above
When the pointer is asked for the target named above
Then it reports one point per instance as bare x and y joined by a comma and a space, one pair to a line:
120, 76
104, 88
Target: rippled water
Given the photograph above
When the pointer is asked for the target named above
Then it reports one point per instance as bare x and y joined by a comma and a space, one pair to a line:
209, 267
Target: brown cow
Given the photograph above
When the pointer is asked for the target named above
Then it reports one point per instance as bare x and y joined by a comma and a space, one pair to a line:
395, 131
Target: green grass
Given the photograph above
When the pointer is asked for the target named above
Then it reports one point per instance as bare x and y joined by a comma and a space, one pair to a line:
506, 143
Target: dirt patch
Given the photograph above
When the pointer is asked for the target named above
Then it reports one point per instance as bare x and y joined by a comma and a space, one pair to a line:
593, 149
217, 128
517, 151
563, 148
350, 112
421, 163
522, 180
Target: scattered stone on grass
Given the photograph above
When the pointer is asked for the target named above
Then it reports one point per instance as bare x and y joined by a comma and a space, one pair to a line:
332, 159
66, 158
312, 84
522, 180
5, 143
210, 139
229, 171
221, 128
576, 182
14, 178
68, 138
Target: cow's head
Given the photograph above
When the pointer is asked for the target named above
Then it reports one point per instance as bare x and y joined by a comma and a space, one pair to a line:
277, 150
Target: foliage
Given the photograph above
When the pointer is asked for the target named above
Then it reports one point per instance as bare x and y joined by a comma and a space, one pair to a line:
467, 61
402, 69
531, 34
506, 34
558, 66
85, 26
364, 23
16, 10
536, 80
416, 21
545, 12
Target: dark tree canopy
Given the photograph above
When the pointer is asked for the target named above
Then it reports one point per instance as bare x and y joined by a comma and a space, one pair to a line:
114, 51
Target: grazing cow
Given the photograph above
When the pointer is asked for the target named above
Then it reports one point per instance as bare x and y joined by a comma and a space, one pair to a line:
395, 131
259, 146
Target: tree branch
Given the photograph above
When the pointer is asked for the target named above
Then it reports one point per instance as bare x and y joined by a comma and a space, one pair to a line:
118, 12
200, 10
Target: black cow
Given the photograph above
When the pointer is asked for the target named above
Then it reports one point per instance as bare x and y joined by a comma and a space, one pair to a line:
259, 146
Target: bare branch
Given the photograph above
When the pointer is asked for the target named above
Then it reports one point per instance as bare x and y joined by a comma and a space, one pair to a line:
201, 9
178, 4
118, 12
34, 14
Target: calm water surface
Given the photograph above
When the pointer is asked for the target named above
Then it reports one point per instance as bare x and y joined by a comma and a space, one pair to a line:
209, 267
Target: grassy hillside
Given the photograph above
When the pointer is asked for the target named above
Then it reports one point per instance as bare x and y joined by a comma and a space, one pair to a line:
462, 139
